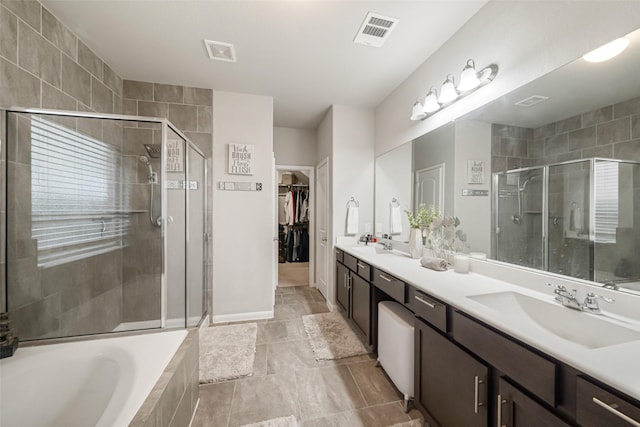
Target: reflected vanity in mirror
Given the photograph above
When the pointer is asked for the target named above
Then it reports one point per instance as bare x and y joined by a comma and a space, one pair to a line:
562, 163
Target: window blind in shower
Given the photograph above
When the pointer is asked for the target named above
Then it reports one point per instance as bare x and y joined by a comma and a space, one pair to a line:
77, 202
606, 201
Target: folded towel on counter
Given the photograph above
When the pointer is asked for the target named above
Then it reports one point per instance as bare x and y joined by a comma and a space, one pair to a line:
437, 264
352, 220
396, 220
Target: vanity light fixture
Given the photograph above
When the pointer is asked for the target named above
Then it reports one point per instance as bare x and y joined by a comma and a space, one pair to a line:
608, 51
418, 113
470, 80
448, 92
431, 104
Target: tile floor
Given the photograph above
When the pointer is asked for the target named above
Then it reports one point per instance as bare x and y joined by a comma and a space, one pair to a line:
287, 380
293, 274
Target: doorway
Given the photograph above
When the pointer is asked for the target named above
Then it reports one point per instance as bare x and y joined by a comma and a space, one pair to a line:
295, 262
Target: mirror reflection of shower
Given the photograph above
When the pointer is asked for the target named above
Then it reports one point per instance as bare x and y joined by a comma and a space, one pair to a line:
517, 218
152, 177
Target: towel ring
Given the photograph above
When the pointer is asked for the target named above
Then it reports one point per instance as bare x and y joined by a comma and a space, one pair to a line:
354, 201
395, 201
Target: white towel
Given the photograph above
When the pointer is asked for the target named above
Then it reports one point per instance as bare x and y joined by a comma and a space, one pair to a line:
352, 220
396, 220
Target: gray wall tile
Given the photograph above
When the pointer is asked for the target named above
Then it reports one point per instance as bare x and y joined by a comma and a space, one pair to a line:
205, 119
56, 99
89, 60
627, 150
27, 10
101, 97
555, 145
544, 131
167, 93
18, 88
137, 90
117, 104
614, 131
203, 141
38, 56
8, 35
198, 96
76, 81
130, 106
582, 138
38, 320
569, 124
153, 109
601, 115
635, 127
513, 147
599, 151
185, 117
627, 108
112, 80
59, 35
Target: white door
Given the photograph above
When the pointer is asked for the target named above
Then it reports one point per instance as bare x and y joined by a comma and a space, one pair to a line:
322, 192
430, 187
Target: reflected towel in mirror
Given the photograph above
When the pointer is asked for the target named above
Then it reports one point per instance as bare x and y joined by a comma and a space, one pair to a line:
396, 220
352, 220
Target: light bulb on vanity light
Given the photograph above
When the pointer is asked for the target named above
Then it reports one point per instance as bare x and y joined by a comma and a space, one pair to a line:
418, 112
431, 104
468, 78
448, 91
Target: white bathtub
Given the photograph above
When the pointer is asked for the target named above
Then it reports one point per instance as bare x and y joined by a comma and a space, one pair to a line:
101, 382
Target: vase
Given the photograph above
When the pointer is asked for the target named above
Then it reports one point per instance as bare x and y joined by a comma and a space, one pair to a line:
415, 243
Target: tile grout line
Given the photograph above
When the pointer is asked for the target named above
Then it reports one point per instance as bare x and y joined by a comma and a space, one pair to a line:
233, 395
357, 385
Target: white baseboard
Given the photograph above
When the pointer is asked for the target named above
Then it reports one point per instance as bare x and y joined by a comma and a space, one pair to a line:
239, 317
331, 307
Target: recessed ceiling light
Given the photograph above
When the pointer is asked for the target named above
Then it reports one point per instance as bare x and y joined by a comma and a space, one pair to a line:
608, 51
220, 51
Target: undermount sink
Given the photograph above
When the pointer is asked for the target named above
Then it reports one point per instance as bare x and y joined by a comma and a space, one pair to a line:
587, 330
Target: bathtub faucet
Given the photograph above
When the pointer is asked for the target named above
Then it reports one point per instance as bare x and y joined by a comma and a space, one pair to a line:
8, 341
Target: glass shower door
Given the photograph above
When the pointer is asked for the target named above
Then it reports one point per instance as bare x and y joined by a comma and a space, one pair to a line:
196, 208
569, 199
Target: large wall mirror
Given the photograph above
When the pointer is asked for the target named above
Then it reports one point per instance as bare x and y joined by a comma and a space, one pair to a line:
560, 160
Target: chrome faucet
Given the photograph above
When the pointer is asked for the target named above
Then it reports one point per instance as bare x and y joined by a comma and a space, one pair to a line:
570, 299
386, 242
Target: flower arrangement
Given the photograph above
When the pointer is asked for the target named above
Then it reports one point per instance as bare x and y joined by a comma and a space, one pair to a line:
423, 218
444, 235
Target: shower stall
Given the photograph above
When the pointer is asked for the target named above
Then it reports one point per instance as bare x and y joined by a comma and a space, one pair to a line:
579, 218
103, 222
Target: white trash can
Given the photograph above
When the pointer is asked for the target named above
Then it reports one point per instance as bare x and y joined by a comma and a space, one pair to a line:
396, 346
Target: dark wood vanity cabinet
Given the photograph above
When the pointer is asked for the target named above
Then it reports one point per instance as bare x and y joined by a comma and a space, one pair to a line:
597, 406
515, 409
353, 293
450, 384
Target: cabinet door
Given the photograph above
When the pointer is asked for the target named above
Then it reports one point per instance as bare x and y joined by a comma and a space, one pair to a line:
451, 385
600, 407
515, 409
342, 286
360, 305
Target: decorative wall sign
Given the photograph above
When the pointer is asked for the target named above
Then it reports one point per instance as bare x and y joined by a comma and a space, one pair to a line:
475, 172
240, 159
175, 156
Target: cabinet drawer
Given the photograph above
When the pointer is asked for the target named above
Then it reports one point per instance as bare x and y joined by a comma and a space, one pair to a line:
339, 255
598, 407
432, 311
389, 285
530, 370
350, 261
364, 270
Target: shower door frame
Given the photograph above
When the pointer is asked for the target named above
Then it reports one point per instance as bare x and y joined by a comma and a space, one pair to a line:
165, 126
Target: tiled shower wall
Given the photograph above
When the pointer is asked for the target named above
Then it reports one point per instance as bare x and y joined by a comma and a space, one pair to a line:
191, 110
44, 65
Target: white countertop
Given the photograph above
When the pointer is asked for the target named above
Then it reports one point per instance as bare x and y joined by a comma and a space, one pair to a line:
616, 365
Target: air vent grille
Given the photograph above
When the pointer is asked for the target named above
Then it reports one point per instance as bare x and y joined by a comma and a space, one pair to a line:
220, 51
531, 101
375, 30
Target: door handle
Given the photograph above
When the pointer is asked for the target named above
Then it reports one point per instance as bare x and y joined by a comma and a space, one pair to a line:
614, 411
501, 402
476, 393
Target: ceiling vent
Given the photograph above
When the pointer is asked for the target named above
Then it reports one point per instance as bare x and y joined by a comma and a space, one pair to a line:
531, 101
375, 29
220, 51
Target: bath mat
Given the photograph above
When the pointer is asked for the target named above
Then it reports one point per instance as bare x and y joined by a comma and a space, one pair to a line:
227, 352
289, 421
413, 423
331, 337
